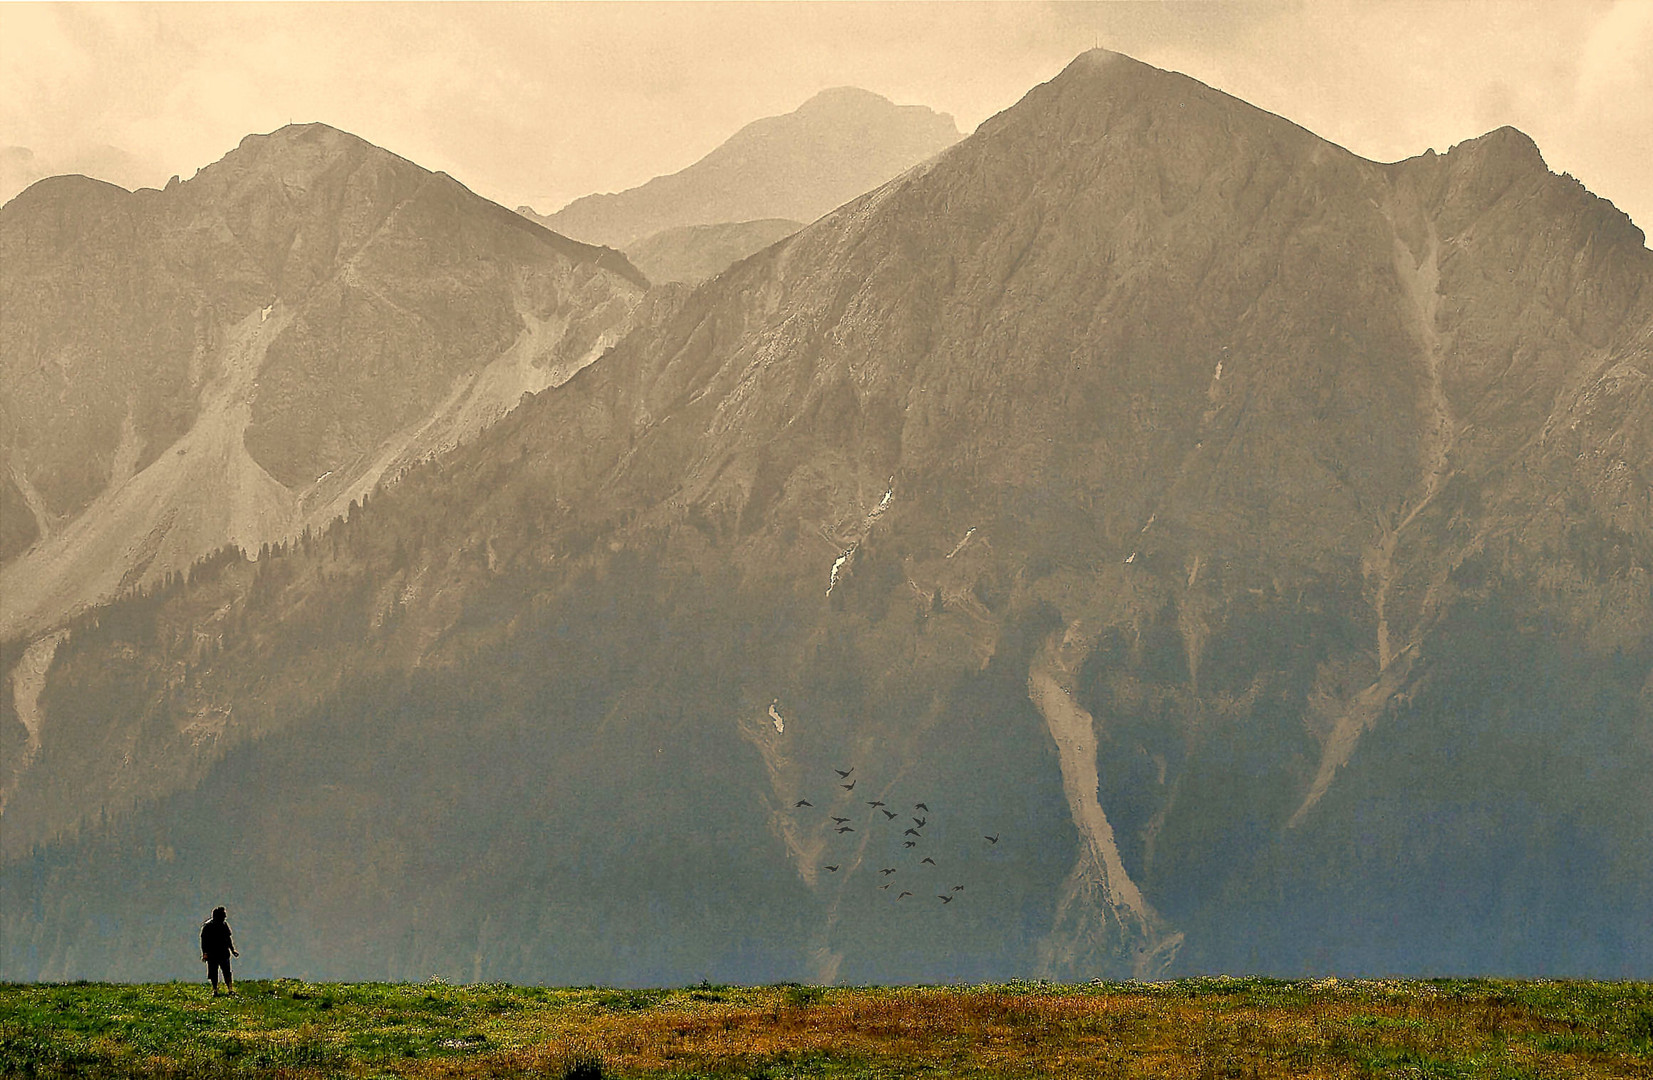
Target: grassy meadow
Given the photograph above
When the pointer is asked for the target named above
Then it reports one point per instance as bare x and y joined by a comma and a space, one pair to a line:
1191, 1028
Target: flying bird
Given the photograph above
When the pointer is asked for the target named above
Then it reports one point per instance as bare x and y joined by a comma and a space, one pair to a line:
887, 815
912, 832
802, 802
945, 899
910, 843
921, 806
843, 829
887, 871
991, 839
929, 860
958, 888
849, 786
904, 896
919, 821
874, 803
832, 869
843, 774
885, 885
840, 820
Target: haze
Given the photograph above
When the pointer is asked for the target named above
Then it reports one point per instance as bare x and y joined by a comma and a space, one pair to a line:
541, 103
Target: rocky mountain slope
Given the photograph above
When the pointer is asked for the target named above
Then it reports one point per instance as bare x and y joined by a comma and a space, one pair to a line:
835, 146
690, 254
1241, 549
245, 353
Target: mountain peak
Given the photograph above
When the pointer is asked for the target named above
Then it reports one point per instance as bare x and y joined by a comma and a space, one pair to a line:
1507, 145
855, 101
1105, 63
330, 292
1103, 96
70, 187
842, 142
1093, 59
313, 143
840, 96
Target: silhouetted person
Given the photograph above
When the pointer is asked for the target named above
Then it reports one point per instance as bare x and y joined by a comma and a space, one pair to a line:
217, 946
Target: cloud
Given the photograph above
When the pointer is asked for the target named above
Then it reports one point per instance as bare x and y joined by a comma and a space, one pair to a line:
1618, 55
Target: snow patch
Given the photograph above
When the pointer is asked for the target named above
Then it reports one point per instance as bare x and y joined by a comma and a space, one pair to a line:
837, 565
884, 503
961, 543
776, 718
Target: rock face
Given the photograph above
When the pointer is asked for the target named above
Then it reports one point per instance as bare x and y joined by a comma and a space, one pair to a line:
690, 254
244, 353
1242, 550
835, 146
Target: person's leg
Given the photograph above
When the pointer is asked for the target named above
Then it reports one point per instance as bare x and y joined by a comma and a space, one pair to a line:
229, 978
212, 975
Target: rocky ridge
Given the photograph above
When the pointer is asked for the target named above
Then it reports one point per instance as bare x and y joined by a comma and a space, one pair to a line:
691, 254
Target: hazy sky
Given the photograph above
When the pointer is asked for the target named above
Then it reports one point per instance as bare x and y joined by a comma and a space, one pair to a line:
541, 103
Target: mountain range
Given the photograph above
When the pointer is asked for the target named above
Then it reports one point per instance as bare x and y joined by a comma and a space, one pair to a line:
1241, 549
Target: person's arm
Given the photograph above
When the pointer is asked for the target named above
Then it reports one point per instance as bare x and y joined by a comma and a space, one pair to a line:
203, 945
229, 939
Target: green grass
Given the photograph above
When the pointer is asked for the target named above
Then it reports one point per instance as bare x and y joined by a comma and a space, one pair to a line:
1198, 1028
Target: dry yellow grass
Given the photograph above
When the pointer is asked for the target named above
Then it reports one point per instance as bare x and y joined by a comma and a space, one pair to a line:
1201, 1028
951, 1032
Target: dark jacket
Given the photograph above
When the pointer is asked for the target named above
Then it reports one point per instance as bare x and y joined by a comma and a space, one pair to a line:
216, 942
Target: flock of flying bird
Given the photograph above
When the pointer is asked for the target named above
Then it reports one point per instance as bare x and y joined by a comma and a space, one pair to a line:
910, 837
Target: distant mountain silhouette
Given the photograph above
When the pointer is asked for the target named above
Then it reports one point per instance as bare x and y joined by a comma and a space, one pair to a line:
1242, 546
798, 166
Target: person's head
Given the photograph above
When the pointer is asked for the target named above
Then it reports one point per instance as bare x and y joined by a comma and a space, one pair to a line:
218, 914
